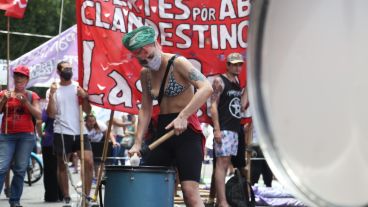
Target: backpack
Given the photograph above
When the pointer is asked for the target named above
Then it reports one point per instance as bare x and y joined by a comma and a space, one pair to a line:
237, 194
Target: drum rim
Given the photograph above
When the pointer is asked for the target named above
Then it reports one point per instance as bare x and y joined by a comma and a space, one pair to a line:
277, 163
139, 168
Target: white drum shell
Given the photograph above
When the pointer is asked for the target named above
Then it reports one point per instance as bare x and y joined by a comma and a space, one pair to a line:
309, 91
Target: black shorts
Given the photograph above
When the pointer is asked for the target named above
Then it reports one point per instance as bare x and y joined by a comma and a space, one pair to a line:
183, 151
238, 161
71, 143
97, 149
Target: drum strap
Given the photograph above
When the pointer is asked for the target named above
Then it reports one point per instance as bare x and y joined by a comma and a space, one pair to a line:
161, 93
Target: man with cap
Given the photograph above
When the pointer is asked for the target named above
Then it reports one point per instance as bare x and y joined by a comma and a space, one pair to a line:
178, 108
226, 114
17, 137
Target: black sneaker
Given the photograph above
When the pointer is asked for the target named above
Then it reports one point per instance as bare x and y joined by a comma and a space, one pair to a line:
67, 202
15, 205
7, 192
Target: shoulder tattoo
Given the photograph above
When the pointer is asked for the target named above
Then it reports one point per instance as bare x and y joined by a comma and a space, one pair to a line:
195, 75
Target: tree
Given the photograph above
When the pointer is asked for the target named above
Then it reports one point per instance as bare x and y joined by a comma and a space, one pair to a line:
41, 17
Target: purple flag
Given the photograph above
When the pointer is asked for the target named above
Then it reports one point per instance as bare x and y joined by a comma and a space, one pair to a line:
42, 60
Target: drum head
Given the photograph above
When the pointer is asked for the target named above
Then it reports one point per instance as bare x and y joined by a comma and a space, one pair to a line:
308, 76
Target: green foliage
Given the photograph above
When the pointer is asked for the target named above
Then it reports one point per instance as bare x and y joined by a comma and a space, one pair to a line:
41, 17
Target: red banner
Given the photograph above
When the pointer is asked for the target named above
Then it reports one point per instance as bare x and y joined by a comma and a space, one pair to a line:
204, 31
5, 4
14, 8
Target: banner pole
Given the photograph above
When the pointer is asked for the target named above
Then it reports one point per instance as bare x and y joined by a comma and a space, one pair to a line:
82, 155
61, 16
60, 28
7, 71
104, 155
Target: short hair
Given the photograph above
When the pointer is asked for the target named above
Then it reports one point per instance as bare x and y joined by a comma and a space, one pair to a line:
89, 116
60, 63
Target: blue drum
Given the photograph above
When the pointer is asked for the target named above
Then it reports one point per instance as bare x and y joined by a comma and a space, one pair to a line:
143, 186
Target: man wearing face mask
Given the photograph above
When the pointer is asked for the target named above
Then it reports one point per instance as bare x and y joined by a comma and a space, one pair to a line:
17, 137
64, 99
178, 106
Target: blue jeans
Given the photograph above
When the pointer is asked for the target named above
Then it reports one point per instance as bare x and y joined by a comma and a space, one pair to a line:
118, 151
15, 151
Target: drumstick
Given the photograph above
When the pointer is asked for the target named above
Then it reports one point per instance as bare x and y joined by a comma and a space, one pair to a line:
156, 143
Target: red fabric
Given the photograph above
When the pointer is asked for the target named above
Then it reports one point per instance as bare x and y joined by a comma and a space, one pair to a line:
5, 4
19, 118
16, 8
246, 120
195, 125
203, 31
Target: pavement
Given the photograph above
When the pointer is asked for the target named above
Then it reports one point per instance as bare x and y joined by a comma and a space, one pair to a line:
33, 195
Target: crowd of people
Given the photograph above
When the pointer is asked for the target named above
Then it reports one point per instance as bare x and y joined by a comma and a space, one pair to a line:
58, 126
180, 90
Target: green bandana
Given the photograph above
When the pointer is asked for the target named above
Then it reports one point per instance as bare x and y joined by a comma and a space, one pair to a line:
139, 37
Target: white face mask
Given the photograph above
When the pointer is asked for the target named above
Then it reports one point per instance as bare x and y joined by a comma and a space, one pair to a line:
155, 62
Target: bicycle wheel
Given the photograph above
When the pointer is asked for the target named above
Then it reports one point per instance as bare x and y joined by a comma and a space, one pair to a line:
35, 170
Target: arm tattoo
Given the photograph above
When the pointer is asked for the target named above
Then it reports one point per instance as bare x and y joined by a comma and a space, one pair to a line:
195, 75
217, 89
214, 96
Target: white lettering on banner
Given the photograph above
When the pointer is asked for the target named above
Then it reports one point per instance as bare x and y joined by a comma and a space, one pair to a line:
227, 10
231, 39
99, 15
184, 8
96, 98
163, 26
162, 10
242, 27
119, 22
229, 36
119, 3
87, 61
121, 93
134, 20
22, 6
187, 41
206, 14
147, 10
138, 85
200, 29
214, 37
83, 10
243, 8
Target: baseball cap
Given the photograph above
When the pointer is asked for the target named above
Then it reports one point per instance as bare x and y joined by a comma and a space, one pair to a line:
234, 58
24, 70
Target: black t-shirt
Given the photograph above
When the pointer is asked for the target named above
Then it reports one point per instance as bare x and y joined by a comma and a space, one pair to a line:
229, 106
